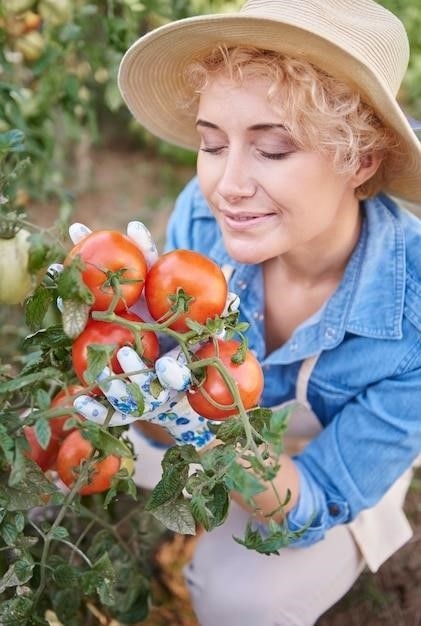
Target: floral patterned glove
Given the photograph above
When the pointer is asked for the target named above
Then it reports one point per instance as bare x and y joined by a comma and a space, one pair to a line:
169, 408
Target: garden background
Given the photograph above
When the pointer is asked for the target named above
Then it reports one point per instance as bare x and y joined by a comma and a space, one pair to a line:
71, 152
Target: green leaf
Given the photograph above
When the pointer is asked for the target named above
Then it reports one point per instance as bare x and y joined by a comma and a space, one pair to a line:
230, 431
41, 253
105, 441
18, 573
70, 285
136, 393
26, 380
66, 604
99, 355
269, 539
37, 305
12, 141
7, 444
59, 532
100, 579
169, 487
176, 516
237, 478
26, 485
66, 576
43, 432
16, 611
51, 337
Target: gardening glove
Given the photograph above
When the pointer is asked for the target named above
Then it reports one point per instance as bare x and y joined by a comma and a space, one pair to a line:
169, 408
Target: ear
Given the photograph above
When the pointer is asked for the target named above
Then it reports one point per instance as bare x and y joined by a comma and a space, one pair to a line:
369, 165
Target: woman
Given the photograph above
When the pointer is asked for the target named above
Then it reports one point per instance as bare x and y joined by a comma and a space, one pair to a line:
301, 147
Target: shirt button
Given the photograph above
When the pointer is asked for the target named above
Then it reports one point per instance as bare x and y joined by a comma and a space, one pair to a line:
334, 509
330, 333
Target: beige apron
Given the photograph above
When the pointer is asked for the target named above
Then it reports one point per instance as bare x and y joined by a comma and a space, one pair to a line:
378, 531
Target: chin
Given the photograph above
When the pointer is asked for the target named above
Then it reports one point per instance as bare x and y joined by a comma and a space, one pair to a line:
248, 255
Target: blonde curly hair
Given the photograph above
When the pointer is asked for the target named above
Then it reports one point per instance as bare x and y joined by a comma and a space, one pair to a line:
322, 113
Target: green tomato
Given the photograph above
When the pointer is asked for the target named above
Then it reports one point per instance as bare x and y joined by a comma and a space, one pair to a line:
15, 279
17, 6
56, 12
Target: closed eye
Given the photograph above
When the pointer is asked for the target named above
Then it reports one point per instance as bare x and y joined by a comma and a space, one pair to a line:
274, 155
210, 150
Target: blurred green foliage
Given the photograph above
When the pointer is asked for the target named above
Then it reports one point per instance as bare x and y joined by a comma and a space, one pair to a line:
409, 11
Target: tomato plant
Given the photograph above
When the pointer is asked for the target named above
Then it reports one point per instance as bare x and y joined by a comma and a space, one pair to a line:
46, 457
112, 264
199, 277
15, 278
247, 374
75, 450
112, 333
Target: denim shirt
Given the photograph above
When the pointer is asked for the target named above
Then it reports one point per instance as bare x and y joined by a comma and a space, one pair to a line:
366, 386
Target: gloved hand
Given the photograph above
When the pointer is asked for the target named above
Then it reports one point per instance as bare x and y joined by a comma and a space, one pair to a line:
169, 408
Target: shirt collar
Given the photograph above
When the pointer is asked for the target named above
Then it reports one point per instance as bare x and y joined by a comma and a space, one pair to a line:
370, 298
376, 306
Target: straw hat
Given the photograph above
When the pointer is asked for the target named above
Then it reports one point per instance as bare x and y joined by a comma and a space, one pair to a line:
357, 41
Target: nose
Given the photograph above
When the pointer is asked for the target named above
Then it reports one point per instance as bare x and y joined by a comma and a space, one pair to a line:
236, 180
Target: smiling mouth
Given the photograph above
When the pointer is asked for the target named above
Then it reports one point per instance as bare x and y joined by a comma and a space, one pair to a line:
242, 220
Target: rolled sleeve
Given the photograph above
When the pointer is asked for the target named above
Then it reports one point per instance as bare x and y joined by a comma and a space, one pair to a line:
314, 512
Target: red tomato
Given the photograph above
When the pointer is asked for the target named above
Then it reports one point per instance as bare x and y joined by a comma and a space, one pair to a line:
111, 333
45, 458
198, 276
247, 375
106, 252
75, 449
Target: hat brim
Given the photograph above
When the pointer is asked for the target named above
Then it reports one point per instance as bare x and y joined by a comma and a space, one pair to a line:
152, 83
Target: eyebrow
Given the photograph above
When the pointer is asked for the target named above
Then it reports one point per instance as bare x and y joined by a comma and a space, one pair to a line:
263, 126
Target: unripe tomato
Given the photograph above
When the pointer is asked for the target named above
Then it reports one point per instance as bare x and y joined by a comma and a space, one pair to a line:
31, 45
197, 275
32, 21
17, 6
15, 279
46, 457
73, 451
56, 12
106, 252
97, 332
248, 377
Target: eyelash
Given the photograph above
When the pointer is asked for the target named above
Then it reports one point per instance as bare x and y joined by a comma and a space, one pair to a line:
276, 156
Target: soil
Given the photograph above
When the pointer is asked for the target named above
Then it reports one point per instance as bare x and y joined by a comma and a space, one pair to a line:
115, 186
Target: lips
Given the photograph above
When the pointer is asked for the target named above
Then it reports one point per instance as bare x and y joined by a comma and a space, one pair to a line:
244, 221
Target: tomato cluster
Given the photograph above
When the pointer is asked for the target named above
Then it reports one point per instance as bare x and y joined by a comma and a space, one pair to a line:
181, 285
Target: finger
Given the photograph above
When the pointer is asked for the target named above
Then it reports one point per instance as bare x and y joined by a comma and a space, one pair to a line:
118, 394
54, 269
138, 373
172, 373
96, 412
138, 232
232, 304
78, 231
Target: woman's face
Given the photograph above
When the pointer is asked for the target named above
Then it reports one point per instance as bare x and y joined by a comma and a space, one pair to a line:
268, 197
